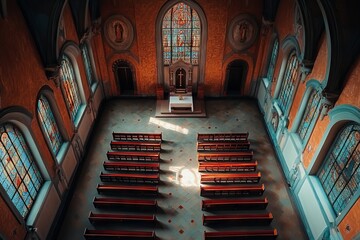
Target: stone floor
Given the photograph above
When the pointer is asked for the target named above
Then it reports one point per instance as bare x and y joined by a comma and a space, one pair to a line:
179, 215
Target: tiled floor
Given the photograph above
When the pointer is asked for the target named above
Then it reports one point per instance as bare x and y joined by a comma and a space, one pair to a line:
179, 215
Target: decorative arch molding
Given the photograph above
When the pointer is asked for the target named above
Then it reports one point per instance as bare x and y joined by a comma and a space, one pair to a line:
249, 60
49, 94
72, 50
310, 85
22, 118
289, 43
339, 116
158, 39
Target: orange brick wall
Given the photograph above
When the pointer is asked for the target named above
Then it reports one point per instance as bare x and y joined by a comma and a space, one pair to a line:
142, 53
352, 221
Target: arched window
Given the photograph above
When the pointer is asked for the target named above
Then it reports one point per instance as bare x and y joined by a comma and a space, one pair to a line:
181, 31
49, 125
339, 173
309, 115
88, 66
289, 82
19, 175
70, 87
272, 62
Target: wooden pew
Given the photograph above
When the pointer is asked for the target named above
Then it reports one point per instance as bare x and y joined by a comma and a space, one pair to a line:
115, 217
133, 156
121, 136
223, 146
127, 189
230, 178
236, 190
106, 202
263, 234
226, 156
131, 166
135, 146
253, 219
117, 234
130, 177
237, 203
227, 166
218, 137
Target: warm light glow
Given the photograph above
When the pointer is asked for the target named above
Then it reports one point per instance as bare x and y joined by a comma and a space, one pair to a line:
169, 126
185, 177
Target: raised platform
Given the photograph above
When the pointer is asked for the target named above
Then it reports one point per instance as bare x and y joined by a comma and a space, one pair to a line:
162, 110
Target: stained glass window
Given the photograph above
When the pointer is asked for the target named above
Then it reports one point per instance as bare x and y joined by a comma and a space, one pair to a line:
88, 67
181, 31
289, 82
70, 87
49, 125
339, 174
309, 114
19, 175
272, 62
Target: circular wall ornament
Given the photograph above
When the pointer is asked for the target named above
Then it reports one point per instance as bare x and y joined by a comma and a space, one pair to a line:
119, 32
242, 32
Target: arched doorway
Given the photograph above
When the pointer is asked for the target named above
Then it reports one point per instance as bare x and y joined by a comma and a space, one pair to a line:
236, 73
124, 77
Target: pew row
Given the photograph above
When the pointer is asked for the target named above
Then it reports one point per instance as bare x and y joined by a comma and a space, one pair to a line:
117, 234
114, 217
131, 166
226, 156
130, 177
236, 190
106, 202
121, 136
218, 137
135, 146
127, 189
227, 166
223, 146
238, 203
253, 219
242, 235
230, 178
133, 156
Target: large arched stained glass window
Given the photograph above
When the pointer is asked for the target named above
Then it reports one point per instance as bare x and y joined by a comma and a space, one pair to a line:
339, 173
181, 31
19, 175
271, 68
49, 126
309, 115
289, 82
70, 87
88, 66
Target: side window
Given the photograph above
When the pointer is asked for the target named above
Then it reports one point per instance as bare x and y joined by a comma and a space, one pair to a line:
339, 174
49, 125
70, 87
310, 115
88, 66
289, 82
19, 174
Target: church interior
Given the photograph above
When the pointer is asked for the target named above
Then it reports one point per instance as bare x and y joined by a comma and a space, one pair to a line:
179, 119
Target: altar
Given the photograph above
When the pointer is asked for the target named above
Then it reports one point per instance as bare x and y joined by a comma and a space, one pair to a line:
181, 102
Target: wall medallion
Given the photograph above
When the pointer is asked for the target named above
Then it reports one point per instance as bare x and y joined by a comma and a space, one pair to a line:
243, 31
119, 32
